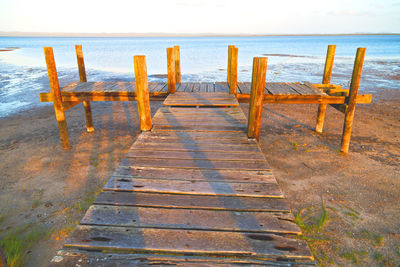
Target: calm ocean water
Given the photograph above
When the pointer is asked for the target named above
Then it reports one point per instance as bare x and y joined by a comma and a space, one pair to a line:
294, 58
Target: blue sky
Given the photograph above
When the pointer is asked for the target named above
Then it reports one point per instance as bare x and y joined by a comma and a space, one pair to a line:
201, 16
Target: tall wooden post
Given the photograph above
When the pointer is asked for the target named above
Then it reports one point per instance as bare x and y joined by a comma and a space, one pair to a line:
233, 71
351, 100
326, 79
257, 96
177, 55
171, 70
57, 100
82, 77
228, 70
142, 92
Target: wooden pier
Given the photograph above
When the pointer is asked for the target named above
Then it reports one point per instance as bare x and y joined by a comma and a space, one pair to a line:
195, 190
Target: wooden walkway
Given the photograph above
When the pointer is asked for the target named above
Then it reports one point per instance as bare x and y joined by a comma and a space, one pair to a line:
193, 191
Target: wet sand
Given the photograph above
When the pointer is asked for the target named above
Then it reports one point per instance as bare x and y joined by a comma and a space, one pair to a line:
43, 186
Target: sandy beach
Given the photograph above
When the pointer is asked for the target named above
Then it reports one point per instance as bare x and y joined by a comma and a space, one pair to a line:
45, 191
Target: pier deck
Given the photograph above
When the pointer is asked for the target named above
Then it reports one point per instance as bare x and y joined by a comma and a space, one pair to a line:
193, 191
294, 92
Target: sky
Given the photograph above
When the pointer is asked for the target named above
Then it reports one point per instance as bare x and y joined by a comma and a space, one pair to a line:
201, 16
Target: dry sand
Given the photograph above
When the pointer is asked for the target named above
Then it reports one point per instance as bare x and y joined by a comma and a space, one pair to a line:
47, 189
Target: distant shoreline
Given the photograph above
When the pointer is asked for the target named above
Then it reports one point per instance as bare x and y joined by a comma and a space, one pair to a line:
48, 34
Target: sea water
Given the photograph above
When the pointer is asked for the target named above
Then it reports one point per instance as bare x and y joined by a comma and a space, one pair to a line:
203, 59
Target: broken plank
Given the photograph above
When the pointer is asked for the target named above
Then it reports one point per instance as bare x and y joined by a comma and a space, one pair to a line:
244, 245
75, 257
194, 187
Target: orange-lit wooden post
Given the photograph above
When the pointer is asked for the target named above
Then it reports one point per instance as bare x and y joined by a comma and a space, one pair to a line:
177, 56
233, 70
351, 100
142, 92
326, 79
57, 99
82, 77
171, 70
257, 96
228, 70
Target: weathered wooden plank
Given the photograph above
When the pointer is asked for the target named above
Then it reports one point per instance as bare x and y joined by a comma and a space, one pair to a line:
306, 99
187, 140
213, 220
68, 105
192, 202
180, 87
196, 136
73, 257
184, 123
211, 116
194, 187
237, 176
244, 245
221, 87
134, 153
199, 128
196, 147
196, 87
161, 162
221, 110
210, 87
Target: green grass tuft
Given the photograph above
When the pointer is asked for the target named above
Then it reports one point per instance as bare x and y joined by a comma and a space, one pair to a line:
17, 242
295, 145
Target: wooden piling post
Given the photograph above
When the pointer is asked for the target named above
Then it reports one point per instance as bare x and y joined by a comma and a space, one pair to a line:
177, 55
82, 77
228, 70
171, 70
257, 96
142, 92
233, 71
326, 79
351, 100
57, 99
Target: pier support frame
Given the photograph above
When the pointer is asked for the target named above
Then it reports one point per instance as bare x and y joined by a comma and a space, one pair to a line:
171, 70
142, 92
330, 55
82, 78
257, 97
57, 100
351, 100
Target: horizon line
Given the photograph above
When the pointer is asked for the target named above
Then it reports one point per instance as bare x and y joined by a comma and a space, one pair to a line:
159, 34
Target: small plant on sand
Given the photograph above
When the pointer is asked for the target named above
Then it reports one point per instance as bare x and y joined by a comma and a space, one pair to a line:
17, 242
94, 161
311, 221
354, 256
295, 145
